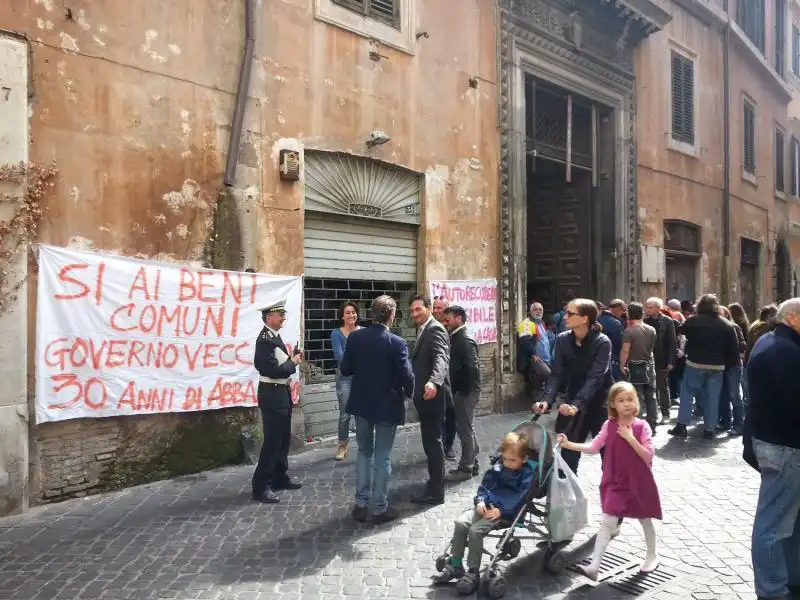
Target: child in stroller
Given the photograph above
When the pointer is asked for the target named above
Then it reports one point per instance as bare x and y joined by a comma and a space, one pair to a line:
505, 501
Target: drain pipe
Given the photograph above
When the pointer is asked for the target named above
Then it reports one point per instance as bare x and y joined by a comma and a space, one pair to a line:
726, 141
241, 93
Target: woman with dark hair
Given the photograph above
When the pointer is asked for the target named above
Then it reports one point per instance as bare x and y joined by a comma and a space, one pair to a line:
582, 367
731, 394
348, 323
710, 347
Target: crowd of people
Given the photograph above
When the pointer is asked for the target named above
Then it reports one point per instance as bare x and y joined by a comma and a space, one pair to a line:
611, 373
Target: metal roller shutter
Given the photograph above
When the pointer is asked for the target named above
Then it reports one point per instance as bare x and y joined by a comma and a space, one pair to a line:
359, 248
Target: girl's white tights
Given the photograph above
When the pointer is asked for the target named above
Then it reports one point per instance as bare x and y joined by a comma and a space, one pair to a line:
607, 530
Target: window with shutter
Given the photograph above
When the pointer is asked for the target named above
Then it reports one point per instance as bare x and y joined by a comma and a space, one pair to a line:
779, 166
750, 16
682, 99
749, 126
795, 50
780, 37
795, 166
386, 11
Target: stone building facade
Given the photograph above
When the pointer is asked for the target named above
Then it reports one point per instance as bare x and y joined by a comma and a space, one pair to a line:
568, 187
390, 110
689, 202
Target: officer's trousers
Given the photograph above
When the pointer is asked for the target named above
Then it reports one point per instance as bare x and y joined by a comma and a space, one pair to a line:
273, 462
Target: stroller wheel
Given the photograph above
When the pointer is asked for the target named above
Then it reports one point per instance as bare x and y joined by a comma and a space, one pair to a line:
496, 587
555, 563
512, 548
441, 562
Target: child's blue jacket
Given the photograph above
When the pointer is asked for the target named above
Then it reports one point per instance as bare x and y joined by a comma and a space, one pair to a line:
505, 489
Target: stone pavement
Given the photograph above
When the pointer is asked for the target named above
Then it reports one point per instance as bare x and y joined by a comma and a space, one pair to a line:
200, 537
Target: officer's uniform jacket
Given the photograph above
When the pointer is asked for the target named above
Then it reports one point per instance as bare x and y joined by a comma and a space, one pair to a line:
274, 365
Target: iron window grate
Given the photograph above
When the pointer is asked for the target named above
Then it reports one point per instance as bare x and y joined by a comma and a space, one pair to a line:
682, 99
322, 300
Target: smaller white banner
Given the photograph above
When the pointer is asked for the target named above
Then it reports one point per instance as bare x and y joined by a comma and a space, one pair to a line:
478, 297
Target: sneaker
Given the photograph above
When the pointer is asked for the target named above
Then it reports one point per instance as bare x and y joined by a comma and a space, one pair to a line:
387, 516
708, 435
735, 432
649, 565
341, 451
469, 583
360, 513
476, 470
678, 431
458, 475
449, 453
449, 573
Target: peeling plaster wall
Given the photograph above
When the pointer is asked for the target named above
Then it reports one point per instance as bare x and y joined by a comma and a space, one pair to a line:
688, 186
134, 101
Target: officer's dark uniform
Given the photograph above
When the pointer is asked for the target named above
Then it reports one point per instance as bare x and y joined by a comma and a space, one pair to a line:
274, 400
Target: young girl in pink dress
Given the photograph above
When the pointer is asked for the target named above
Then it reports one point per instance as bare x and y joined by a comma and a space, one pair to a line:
627, 488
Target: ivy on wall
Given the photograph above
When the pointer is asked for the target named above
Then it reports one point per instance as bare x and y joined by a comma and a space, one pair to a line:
22, 214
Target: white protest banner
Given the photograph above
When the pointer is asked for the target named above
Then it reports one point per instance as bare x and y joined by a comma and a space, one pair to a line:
119, 336
478, 297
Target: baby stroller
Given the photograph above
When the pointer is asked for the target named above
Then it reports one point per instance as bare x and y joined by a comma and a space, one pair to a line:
530, 522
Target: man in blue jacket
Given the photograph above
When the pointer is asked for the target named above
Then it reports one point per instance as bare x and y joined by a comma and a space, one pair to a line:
382, 380
773, 425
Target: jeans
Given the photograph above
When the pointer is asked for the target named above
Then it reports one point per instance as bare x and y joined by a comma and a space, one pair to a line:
343, 385
465, 417
776, 528
469, 532
616, 371
374, 464
731, 396
647, 397
745, 390
706, 384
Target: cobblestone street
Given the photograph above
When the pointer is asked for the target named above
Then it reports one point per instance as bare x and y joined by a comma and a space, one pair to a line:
200, 537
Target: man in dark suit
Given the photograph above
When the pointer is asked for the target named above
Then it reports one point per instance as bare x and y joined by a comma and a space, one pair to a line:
274, 366
465, 379
432, 395
382, 380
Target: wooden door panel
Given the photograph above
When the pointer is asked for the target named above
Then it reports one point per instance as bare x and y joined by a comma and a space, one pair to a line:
681, 276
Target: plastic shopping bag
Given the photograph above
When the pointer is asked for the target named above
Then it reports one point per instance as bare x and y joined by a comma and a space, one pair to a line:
569, 506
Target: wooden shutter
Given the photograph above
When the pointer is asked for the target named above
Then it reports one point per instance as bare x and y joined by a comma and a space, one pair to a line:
749, 138
682, 99
779, 166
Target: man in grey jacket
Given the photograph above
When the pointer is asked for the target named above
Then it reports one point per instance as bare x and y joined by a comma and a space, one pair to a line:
431, 363
465, 379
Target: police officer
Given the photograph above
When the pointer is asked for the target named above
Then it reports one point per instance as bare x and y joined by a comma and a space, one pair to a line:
274, 366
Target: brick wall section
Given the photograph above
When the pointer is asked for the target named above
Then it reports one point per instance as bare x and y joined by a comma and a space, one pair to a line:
86, 456
487, 356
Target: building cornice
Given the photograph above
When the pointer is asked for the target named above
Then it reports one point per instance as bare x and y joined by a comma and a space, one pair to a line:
652, 17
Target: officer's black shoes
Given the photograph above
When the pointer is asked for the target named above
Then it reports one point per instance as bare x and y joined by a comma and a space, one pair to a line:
360, 513
266, 497
287, 485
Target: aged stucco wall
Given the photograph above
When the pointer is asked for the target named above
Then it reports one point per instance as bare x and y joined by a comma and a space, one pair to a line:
687, 183
135, 103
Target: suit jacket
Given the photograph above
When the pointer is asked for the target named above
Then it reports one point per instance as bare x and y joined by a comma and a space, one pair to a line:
272, 360
465, 374
382, 378
431, 362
